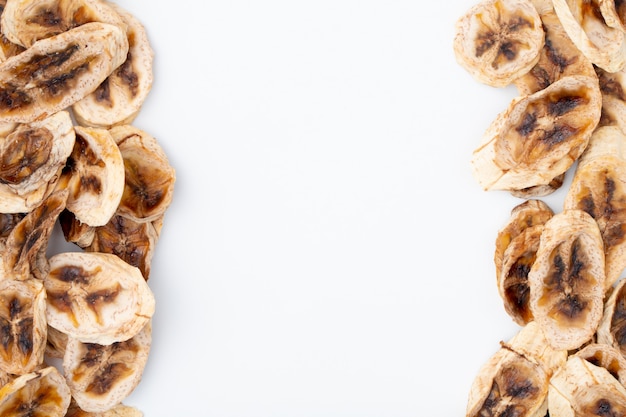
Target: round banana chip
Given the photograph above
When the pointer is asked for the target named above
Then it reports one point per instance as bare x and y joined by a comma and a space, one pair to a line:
612, 329
97, 297
56, 72
567, 280
101, 377
599, 188
603, 45
96, 176
149, 176
24, 22
42, 393
539, 136
497, 41
120, 97
22, 325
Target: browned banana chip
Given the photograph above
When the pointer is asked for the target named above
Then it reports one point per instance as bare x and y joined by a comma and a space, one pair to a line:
497, 41
540, 190
26, 21
97, 297
101, 377
613, 88
22, 325
603, 45
7, 48
149, 176
119, 410
612, 329
607, 357
58, 71
599, 188
539, 136
580, 388
567, 280
74, 231
43, 393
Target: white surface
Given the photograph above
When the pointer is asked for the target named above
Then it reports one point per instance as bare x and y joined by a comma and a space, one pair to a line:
327, 252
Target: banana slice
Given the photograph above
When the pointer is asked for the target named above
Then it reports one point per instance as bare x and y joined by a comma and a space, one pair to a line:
612, 329
614, 13
97, 297
24, 22
580, 388
119, 410
607, 357
540, 190
604, 46
497, 41
558, 58
42, 393
101, 377
149, 176
22, 325
74, 231
131, 241
55, 343
56, 72
120, 97
7, 48
96, 176
598, 187
613, 88
539, 136
567, 280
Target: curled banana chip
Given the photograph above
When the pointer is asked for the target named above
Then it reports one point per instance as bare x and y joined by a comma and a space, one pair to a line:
149, 176
26, 21
614, 13
497, 41
43, 393
96, 176
74, 231
603, 45
56, 72
539, 136
96, 297
607, 357
613, 88
598, 187
100, 377
567, 280
612, 329
7, 48
540, 190
119, 98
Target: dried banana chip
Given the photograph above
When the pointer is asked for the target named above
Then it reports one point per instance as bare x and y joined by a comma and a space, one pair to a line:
97, 297
101, 377
7, 48
567, 280
607, 357
119, 410
42, 393
540, 190
603, 45
539, 136
614, 13
74, 231
497, 41
56, 72
599, 188
613, 88
55, 343
612, 329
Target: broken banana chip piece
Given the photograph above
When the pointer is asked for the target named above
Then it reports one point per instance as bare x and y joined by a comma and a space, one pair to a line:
603, 45
100, 377
613, 88
43, 393
599, 188
612, 329
539, 136
567, 280
97, 297
497, 41
119, 410
614, 13
56, 72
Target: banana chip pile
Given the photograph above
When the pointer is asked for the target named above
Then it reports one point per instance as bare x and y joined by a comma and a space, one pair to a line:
560, 273
75, 326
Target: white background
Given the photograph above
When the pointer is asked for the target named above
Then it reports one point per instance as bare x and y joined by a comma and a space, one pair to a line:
328, 252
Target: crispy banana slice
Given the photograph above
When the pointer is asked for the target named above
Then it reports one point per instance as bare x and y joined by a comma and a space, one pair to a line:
148, 174
22, 325
43, 393
7, 48
599, 188
607, 357
540, 190
612, 329
56, 72
497, 41
603, 45
613, 88
539, 136
614, 13
74, 231
131, 241
120, 97
24, 22
580, 388
567, 280
96, 176
558, 58
101, 377
119, 410
97, 297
